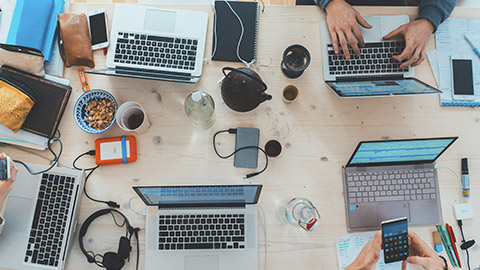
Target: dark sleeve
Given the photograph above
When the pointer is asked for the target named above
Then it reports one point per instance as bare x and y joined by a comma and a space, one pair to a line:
322, 3
436, 11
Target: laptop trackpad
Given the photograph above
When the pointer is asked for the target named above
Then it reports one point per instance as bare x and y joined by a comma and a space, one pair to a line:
373, 34
393, 210
17, 216
201, 263
160, 20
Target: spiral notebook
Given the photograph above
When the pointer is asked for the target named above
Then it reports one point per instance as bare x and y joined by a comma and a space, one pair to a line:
228, 31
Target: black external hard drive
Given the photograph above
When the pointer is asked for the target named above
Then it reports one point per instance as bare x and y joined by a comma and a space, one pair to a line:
246, 158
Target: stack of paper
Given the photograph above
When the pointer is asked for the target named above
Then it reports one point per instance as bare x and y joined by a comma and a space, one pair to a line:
450, 41
34, 23
350, 245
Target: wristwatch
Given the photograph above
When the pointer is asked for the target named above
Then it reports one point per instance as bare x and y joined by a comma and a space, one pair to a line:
445, 261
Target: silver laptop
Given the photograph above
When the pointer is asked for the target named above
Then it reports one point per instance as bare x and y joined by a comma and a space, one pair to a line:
201, 227
40, 218
154, 43
374, 72
390, 179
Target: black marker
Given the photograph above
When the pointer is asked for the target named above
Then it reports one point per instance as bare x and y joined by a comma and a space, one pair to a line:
465, 178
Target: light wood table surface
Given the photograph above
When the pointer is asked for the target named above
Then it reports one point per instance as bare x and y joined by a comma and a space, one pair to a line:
318, 133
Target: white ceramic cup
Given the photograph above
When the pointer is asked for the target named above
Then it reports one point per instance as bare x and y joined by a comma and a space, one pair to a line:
131, 117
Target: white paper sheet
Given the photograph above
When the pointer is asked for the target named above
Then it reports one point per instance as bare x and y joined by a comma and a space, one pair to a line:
350, 245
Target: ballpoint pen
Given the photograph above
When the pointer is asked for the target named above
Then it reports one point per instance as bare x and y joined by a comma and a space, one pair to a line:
477, 52
453, 241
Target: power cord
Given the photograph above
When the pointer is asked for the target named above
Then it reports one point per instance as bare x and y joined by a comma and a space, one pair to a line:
92, 169
465, 244
55, 156
265, 231
234, 131
456, 174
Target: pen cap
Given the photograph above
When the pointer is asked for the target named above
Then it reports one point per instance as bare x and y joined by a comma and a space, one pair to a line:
437, 241
464, 166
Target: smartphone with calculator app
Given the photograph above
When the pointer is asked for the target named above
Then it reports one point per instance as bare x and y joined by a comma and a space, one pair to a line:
395, 239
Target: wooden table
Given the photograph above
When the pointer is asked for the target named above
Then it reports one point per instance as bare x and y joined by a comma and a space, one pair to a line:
318, 134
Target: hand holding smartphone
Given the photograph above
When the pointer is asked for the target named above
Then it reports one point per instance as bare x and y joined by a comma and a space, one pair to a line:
395, 239
97, 23
5, 168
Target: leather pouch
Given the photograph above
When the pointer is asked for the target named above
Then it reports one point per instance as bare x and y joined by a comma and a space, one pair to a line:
74, 40
23, 58
16, 102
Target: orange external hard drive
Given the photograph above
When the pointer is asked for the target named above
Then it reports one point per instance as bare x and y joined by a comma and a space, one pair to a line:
116, 150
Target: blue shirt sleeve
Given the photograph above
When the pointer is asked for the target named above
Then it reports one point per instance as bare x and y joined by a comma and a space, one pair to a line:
436, 11
322, 3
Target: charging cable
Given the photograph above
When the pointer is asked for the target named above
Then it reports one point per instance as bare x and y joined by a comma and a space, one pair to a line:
456, 174
92, 169
144, 213
265, 231
234, 131
465, 244
55, 156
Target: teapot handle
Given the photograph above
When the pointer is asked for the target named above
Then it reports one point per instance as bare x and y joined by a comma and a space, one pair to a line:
246, 74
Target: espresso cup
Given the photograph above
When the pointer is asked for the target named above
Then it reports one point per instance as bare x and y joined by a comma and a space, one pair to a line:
131, 117
290, 94
273, 148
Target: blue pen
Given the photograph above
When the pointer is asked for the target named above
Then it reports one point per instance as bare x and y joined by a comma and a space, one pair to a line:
477, 52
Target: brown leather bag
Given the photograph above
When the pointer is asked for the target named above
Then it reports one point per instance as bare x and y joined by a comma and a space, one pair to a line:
74, 40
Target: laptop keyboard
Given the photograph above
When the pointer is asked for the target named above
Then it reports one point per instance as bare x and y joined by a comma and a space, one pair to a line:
180, 232
375, 57
401, 185
50, 220
155, 51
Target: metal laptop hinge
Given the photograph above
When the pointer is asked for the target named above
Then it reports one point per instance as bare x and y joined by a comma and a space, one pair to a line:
369, 78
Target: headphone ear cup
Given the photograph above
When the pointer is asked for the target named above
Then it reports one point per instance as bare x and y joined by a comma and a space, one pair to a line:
112, 261
124, 248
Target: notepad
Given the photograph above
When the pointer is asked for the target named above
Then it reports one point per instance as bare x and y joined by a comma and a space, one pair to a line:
350, 245
228, 30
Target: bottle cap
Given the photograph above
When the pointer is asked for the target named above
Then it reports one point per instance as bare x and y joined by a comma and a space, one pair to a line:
197, 96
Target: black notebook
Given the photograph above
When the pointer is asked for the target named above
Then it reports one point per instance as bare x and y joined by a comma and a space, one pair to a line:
228, 31
52, 99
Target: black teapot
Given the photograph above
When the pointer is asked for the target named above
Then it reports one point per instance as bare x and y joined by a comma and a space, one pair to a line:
243, 89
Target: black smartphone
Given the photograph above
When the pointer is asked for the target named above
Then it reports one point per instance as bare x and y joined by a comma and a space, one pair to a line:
395, 239
4, 168
246, 158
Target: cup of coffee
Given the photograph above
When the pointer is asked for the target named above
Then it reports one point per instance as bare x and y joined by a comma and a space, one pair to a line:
273, 148
131, 117
290, 94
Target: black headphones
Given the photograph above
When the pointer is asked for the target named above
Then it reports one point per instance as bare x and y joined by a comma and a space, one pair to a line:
110, 260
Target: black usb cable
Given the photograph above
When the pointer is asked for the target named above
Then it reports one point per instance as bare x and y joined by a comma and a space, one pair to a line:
234, 131
92, 169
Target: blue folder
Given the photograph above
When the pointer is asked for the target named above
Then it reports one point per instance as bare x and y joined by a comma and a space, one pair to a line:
34, 23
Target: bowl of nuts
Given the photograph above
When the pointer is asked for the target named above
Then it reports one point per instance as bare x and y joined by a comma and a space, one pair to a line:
94, 111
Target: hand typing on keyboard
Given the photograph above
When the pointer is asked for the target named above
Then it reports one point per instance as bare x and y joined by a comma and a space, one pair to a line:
417, 34
343, 21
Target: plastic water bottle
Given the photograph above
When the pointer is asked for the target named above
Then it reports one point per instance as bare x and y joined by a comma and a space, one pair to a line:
200, 108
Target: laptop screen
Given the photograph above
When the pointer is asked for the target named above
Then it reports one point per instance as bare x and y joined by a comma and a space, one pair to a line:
399, 151
199, 195
409, 86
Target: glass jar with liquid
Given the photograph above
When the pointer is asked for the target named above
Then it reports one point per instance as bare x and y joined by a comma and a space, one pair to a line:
200, 108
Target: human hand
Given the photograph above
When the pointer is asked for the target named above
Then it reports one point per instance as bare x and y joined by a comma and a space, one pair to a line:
368, 257
417, 34
343, 21
7, 185
422, 254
